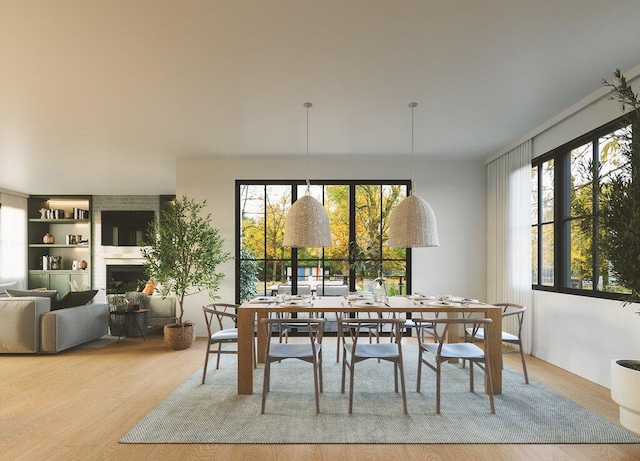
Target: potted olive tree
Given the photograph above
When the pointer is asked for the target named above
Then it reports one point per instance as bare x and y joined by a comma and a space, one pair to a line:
182, 253
619, 221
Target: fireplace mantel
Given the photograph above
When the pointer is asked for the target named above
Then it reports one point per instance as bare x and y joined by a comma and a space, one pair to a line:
120, 256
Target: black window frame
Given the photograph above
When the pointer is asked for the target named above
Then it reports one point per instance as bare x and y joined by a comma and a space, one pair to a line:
562, 216
406, 183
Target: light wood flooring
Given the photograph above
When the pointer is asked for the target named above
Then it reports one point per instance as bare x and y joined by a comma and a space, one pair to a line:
77, 404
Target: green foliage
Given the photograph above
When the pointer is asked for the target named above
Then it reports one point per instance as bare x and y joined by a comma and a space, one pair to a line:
183, 252
620, 216
248, 275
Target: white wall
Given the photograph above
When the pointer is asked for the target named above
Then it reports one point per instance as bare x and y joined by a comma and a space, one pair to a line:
456, 191
580, 334
583, 335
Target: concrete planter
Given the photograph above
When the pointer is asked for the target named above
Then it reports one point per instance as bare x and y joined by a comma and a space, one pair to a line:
625, 391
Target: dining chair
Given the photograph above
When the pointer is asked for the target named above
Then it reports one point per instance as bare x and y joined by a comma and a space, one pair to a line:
510, 310
371, 328
443, 352
278, 351
355, 351
221, 336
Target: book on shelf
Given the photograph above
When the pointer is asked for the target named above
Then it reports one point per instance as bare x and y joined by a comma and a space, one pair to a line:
79, 213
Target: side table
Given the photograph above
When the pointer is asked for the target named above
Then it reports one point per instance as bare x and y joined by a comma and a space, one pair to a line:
129, 323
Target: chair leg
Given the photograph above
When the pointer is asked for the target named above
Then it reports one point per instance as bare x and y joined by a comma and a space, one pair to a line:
395, 377
487, 370
254, 351
316, 385
344, 371
471, 376
524, 366
438, 366
218, 360
206, 362
402, 386
265, 384
419, 369
353, 372
320, 370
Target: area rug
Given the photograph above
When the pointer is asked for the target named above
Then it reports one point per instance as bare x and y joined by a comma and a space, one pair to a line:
214, 413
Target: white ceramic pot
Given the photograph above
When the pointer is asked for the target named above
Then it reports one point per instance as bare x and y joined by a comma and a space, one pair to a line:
625, 391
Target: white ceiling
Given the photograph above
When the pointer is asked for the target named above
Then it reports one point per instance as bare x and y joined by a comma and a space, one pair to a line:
124, 87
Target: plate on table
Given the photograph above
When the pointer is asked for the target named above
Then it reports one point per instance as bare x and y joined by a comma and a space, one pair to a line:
364, 295
420, 297
465, 300
444, 303
368, 304
263, 299
295, 304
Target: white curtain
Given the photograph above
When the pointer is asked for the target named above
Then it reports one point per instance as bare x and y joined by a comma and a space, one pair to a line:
509, 234
13, 238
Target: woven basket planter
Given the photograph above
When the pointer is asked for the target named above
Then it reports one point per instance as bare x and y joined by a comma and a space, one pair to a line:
178, 338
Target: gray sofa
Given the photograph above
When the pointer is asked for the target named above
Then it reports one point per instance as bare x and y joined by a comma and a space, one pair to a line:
28, 325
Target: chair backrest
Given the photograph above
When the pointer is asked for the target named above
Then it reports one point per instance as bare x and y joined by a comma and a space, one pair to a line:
354, 327
314, 327
512, 317
219, 311
438, 328
302, 289
332, 290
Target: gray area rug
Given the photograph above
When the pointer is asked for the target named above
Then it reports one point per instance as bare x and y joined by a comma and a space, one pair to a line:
214, 413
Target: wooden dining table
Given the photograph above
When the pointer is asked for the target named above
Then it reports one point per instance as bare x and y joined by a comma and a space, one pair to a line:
250, 312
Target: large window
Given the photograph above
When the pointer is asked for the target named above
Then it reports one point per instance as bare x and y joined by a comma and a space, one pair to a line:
359, 214
568, 186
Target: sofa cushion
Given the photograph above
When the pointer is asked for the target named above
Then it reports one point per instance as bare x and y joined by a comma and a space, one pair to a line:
20, 324
51, 294
74, 298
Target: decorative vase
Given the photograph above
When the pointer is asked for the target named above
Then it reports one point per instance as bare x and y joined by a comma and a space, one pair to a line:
179, 337
625, 383
82, 265
48, 238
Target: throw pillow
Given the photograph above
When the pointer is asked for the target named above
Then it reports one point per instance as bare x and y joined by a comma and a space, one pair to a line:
51, 294
74, 298
150, 287
137, 298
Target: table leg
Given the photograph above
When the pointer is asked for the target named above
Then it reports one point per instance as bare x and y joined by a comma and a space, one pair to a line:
245, 351
494, 349
261, 337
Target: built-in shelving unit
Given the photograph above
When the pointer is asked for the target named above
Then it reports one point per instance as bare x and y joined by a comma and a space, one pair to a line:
68, 219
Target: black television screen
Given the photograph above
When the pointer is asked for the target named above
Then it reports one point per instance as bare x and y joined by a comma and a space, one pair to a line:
125, 228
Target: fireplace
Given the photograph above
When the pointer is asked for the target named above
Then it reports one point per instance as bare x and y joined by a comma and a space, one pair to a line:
125, 277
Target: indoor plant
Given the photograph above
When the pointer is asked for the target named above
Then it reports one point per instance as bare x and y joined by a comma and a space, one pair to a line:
620, 244
248, 276
182, 253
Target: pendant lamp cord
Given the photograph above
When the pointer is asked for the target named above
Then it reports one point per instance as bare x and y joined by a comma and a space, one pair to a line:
413, 106
307, 105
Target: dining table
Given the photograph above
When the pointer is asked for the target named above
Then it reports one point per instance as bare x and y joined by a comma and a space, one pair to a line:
251, 312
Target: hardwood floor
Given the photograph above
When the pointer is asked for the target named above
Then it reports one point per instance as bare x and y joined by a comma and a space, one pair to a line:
77, 404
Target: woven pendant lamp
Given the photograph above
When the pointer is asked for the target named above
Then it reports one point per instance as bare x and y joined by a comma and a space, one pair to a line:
413, 222
307, 223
